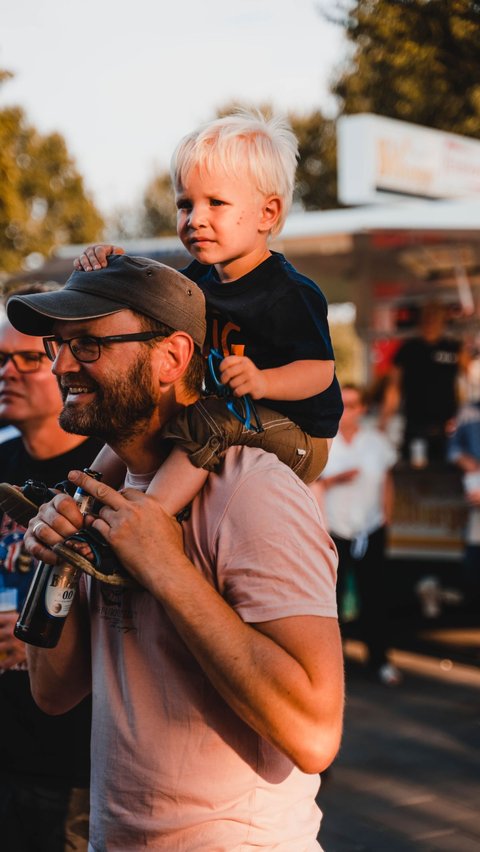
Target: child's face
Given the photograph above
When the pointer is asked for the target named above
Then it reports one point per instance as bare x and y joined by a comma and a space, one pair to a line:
224, 221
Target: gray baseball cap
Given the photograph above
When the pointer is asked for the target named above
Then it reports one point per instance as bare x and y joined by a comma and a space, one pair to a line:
135, 283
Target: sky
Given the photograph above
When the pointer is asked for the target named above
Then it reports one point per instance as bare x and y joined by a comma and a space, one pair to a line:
124, 80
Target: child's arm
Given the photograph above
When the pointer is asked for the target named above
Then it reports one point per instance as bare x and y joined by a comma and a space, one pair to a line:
298, 380
111, 466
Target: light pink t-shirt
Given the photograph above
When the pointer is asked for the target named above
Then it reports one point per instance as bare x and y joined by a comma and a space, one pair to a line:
173, 767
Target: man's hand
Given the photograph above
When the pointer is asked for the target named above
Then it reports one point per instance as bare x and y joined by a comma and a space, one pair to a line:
138, 530
55, 521
242, 376
95, 257
12, 650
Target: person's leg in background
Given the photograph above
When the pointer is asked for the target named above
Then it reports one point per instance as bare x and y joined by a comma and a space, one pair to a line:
471, 575
373, 594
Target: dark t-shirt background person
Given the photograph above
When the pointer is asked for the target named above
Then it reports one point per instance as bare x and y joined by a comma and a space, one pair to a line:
423, 380
44, 761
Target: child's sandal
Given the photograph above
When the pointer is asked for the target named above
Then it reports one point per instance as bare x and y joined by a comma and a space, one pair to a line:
105, 567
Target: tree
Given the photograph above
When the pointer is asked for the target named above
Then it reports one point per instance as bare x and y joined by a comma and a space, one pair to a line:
415, 60
316, 185
43, 202
159, 214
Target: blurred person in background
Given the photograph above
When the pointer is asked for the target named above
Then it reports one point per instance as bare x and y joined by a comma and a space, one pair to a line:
423, 379
44, 760
355, 491
464, 451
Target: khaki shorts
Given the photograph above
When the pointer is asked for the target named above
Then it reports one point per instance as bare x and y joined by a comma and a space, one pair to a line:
207, 429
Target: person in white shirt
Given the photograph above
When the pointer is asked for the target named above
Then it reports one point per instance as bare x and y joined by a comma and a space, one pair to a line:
356, 491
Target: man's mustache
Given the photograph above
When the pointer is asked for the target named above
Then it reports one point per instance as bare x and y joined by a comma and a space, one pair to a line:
76, 380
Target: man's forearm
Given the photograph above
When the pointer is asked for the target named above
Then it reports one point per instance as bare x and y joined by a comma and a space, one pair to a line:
291, 695
60, 677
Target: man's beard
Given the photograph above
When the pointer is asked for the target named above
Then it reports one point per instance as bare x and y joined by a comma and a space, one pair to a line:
120, 408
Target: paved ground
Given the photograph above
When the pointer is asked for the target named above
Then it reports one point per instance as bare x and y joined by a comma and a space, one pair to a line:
408, 774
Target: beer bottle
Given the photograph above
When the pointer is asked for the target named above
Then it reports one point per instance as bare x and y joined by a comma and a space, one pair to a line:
51, 592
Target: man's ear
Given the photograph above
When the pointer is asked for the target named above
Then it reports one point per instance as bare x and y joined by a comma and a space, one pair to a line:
173, 357
271, 212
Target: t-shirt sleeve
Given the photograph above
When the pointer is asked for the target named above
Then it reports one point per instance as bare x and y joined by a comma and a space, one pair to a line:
273, 557
403, 354
297, 323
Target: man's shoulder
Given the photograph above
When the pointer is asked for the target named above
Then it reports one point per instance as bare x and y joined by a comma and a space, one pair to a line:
252, 476
452, 344
242, 463
409, 346
10, 447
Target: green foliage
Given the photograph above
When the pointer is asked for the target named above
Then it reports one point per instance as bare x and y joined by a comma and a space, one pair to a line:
316, 187
415, 60
43, 202
159, 214
348, 352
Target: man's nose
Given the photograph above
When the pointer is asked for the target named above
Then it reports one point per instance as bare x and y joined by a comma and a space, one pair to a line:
65, 362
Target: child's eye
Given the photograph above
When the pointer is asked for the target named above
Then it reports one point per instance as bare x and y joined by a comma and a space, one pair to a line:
215, 202
184, 204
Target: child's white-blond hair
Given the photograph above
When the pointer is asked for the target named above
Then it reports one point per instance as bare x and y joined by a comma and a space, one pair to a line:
266, 148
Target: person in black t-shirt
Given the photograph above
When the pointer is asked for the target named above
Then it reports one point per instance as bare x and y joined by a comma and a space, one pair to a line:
234, 182
424, 378
44, 761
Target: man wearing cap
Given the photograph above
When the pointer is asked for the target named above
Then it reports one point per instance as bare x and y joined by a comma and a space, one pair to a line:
217, 679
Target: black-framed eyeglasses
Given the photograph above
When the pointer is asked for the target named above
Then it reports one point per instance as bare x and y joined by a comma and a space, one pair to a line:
87, 349
24, 360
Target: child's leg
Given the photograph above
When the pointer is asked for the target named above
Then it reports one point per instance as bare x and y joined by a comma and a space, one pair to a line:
177, 482
207, 429
110, 466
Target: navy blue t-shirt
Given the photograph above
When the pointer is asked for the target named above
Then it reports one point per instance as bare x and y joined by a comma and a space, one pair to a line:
273, 315
52, 749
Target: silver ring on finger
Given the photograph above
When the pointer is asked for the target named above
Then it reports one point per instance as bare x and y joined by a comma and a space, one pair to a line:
37, 527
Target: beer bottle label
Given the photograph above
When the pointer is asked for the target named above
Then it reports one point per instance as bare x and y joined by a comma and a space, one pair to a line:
84, 501
59, 594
